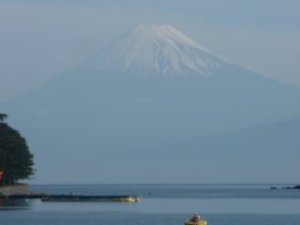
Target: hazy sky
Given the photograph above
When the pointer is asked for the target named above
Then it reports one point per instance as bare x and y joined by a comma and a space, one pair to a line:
41, 39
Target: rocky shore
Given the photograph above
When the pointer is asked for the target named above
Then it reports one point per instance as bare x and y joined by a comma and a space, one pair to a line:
19, 189
296, 187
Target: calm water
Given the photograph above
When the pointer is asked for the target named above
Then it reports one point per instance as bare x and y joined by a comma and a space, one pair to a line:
161, 204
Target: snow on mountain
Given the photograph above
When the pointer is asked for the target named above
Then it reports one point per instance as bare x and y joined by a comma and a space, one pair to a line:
159, 50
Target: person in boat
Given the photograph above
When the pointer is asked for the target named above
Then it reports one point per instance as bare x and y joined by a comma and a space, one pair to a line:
195, 218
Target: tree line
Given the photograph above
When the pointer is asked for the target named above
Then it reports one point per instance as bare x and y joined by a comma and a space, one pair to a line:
16, 161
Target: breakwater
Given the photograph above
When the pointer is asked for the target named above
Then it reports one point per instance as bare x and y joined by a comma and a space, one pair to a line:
73, 198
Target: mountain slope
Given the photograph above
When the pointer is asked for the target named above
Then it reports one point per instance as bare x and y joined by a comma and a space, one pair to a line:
137, 96
265, 154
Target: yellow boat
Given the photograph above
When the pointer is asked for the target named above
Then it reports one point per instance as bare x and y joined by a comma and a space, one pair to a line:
196, 220
130, 199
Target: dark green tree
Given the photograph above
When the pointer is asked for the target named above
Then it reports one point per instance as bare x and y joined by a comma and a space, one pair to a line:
15, 158
2, 117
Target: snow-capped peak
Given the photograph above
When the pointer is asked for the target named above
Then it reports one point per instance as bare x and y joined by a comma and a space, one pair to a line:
160, 50
170, 34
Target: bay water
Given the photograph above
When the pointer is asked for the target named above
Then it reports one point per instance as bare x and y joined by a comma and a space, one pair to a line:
161, 204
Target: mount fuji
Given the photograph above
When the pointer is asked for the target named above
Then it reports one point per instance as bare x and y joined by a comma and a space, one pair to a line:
130, 106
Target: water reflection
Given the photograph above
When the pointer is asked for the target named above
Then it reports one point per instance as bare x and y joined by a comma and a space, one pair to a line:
14, 204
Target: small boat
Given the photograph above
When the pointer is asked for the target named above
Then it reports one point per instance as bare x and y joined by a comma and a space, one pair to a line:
196, 220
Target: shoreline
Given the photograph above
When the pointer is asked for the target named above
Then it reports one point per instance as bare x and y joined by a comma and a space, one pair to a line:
18, 189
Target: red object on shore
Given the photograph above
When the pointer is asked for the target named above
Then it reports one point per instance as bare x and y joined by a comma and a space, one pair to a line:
1, 174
